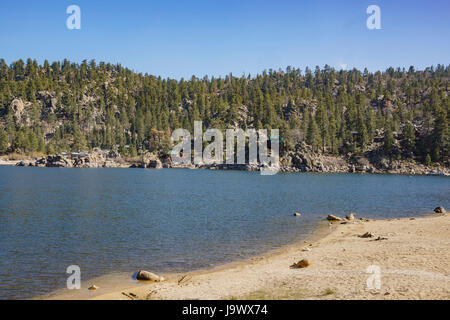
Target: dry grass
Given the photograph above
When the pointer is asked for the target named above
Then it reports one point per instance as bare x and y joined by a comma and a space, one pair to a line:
286, 293
28, 156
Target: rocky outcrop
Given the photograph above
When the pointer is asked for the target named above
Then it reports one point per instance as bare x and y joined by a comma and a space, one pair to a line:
50, 102
302, 159
25, 163
57, 162
149, 161
17, 106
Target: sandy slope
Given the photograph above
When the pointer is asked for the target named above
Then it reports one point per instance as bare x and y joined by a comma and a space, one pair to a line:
414, 262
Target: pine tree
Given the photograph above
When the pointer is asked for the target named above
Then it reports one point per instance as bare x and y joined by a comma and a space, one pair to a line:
428, 159
322, 123
409, 138
440, 135
102, 105
3, 141
388, 140
313, 135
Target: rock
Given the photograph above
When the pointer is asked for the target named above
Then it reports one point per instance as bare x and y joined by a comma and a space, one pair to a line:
148, 276
439, 210
302, 264
155, 164
297, 214
17, 106
366, 235
333, 218
58, 161
93, 287
350, 216
306, 249
24, 163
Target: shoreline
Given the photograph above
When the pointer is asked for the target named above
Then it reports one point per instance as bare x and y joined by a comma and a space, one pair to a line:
128, 281
413, 255
438, 171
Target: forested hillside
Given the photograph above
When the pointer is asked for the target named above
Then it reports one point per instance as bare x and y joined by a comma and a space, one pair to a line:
63, 106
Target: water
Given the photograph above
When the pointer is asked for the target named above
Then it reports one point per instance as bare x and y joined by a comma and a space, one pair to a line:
175, 220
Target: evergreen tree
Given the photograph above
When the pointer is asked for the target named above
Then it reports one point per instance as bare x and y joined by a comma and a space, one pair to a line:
312, 135
440, 135
3, 141
63, 106
409, 138
388, 140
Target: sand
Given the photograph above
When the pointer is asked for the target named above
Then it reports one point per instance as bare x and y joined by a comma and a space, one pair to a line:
411, 255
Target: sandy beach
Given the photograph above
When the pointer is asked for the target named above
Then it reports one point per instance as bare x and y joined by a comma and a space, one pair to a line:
413, 257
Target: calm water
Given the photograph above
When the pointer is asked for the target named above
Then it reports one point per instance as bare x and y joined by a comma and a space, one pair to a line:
172, 220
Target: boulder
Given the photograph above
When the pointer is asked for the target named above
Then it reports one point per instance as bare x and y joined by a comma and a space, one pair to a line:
148, 276
17, 106
439, 210
58, 162
333, 218
350, 216
302, 264
24, 163
366, 235
154, 164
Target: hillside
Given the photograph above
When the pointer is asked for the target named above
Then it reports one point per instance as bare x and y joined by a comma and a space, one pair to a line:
389, 116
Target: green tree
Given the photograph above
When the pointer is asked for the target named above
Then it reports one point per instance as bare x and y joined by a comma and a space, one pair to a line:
409, 137
3, 141
428, 159
440, 135
388, 140
312, 135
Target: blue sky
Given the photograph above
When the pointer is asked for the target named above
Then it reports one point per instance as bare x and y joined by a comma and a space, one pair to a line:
209, 37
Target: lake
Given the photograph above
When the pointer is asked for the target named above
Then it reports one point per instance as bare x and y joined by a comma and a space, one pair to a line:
174, 220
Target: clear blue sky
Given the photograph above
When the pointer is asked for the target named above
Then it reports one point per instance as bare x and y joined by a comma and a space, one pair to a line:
210, 37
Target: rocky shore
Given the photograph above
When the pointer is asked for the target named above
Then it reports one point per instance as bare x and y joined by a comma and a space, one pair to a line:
302, 159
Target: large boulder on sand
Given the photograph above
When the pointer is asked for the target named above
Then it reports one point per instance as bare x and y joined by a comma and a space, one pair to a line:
148, 276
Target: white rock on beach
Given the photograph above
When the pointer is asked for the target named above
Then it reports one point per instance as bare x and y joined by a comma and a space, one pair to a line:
332, 217
148, 276
350, 216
